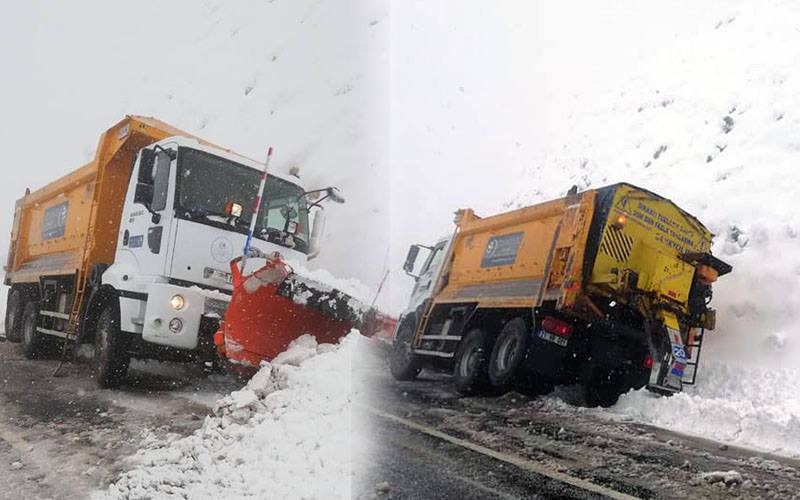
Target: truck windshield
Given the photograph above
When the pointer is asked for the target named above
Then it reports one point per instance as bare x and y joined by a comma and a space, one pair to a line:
207, 184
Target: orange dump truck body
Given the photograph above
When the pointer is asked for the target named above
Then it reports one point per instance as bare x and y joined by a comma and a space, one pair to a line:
49, 240
495, 265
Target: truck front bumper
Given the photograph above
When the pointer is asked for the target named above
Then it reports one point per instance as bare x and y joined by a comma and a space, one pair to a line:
173, 314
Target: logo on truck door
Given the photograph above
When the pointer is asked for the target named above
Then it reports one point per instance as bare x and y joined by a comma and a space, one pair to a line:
501, 250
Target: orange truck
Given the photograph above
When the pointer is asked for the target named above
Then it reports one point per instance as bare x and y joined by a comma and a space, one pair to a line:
131, 251
608, 288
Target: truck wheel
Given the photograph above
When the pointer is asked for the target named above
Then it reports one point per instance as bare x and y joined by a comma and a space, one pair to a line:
15, 306
403, 364
111, 358
508, 353
32, 340
470, 375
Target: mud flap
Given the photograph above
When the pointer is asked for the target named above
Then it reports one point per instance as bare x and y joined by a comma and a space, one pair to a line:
666, 376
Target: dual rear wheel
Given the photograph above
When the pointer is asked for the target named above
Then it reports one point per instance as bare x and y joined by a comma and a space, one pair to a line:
111, 357
483, 367
33, 341
15, 307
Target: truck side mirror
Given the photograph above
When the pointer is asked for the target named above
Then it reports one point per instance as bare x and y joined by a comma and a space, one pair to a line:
333, 195
411, 259
317, 230
147, 159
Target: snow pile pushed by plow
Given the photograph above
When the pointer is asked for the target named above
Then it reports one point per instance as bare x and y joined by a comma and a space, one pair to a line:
756, 408
287, 434
341, 298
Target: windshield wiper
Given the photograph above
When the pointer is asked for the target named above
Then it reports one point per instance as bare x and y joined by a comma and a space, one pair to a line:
270, 234
195, 213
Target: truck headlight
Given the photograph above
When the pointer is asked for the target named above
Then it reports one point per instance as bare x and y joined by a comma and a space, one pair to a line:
177, 302
175, 325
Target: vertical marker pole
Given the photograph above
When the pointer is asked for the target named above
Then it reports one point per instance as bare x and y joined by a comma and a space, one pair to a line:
256, 207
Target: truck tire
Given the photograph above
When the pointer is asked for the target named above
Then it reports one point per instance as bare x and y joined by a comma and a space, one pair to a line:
508, 354
15, 306
403, 363
111, 357
32, 340
469, 374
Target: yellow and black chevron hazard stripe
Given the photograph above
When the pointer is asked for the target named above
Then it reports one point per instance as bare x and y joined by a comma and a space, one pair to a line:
616, 244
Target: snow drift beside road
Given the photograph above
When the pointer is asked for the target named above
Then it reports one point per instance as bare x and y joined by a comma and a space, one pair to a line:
287, 434
757, 408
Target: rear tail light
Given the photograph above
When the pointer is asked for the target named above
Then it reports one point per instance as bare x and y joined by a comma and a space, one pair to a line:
557, 327
648, 361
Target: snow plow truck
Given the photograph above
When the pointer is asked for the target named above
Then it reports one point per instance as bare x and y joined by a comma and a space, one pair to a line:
131, 252
608, 288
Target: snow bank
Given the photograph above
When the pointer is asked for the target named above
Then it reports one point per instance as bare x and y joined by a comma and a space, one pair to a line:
351, 286
757, 408
286, 434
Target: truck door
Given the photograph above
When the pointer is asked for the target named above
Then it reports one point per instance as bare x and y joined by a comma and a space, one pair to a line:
428, 273
148, 214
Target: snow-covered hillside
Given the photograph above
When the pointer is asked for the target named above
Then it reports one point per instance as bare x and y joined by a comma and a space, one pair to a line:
708, 117
305, 76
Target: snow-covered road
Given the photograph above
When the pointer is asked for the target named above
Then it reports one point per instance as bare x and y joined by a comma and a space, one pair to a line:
754, 407
62, 438
587, 443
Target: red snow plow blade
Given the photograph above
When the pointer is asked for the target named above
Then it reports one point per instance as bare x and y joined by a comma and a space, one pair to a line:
273, 306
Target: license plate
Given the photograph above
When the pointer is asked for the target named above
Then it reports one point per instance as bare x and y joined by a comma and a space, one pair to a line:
216, 274
552, 338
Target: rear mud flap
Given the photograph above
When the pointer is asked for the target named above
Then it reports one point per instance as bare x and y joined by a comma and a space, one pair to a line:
666, 377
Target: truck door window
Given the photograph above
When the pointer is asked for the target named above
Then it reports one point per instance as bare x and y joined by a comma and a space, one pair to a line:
160, 182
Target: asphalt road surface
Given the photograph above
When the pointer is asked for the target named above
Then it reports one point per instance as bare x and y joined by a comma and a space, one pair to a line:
62, 438
434, 444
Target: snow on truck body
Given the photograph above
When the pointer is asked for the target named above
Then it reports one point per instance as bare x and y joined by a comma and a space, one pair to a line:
608, 287
131, 251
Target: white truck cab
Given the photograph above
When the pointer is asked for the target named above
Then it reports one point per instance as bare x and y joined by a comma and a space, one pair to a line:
186, 215
428, 272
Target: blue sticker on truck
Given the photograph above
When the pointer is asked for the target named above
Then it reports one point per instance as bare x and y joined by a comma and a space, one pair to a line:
54, 223
136, 241
501, 250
